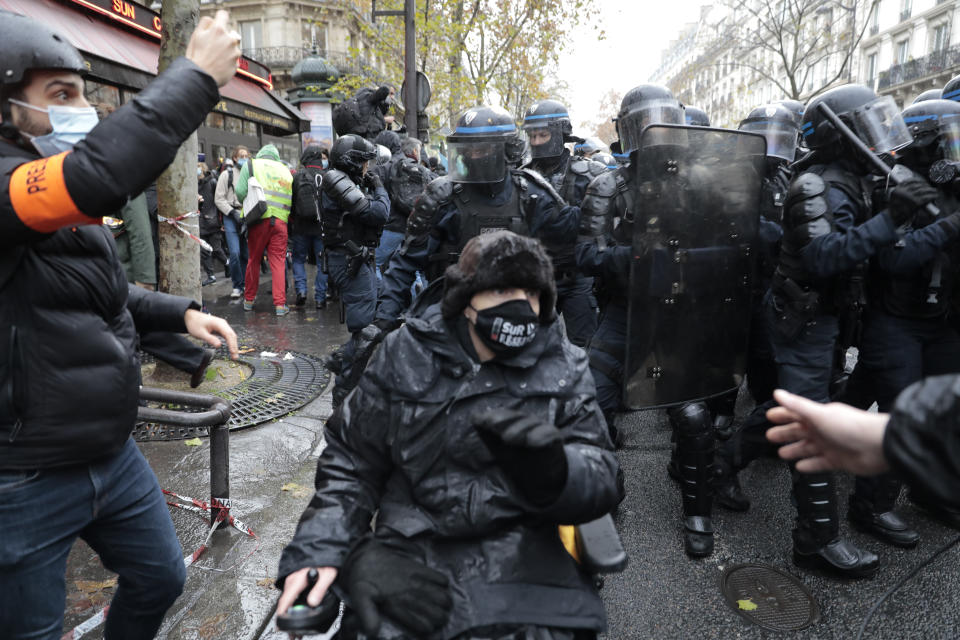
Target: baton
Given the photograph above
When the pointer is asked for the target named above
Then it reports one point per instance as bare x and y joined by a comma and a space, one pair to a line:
893, 176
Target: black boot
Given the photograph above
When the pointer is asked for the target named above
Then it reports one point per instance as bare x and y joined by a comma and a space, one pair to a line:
871, 511
695, 444
816, 539
726, 486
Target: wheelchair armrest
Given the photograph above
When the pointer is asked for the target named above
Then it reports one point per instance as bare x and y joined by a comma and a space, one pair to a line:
599, 546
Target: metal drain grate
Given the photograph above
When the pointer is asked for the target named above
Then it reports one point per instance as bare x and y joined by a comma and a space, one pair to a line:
768, 597
275, 388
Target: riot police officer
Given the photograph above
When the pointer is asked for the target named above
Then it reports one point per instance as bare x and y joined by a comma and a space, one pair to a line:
480, 194
777, 125
906, 331
828, 235
587, 147
548, 128
695, 116
611, 208
354, 208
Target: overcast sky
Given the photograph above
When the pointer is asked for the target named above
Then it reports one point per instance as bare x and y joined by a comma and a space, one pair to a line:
637, 32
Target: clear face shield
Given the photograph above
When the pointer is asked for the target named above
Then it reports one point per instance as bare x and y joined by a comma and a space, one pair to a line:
950, 138
545, 138
781, 137
476, 161
631, 126
880, 125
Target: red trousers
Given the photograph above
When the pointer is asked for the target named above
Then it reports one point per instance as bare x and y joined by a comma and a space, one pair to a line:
269, 235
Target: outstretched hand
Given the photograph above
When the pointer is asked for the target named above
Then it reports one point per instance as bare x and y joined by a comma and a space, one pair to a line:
827, 437
206, 327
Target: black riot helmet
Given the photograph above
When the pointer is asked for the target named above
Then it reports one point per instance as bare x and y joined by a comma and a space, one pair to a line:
795, 107
951, 90
776, 123
350, 152
935, 126
547, 125
695, 116
27, 45
476, 150
588, 147
876, 121
642, 106
929, 94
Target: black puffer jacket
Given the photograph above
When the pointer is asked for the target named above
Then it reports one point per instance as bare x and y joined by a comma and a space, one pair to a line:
69, 369
922, 441
404, 444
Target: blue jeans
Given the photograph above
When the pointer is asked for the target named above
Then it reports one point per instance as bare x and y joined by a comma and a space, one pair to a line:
237, 248
116, 506
300, 245
390, 241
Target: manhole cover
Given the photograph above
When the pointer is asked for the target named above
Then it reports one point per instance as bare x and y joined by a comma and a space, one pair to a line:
769, 597
277, 386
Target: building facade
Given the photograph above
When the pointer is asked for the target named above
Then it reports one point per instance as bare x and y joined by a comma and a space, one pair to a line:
902, 48
120, 43
281, 33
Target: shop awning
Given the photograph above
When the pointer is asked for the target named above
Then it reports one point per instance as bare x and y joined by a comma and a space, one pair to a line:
121, 47
91, 35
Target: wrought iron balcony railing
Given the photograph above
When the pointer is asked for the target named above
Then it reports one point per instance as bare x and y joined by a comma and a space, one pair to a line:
929, 65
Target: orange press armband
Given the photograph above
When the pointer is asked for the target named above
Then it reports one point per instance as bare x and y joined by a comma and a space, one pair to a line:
39, 196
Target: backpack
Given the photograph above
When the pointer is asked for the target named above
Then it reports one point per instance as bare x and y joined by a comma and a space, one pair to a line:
255, 204
348, 117
311, 215
407, 182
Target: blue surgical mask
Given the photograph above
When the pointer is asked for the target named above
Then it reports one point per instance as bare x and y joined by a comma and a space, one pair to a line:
199, 172
324, 163
241, 162
70, 126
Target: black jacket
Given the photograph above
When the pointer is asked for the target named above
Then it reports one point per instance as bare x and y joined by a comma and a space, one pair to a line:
69, 369
922, 441
306, 191
404, 444
209, 215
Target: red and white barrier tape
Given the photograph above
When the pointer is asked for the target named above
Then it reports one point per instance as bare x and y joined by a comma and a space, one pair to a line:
196, 506
177, 224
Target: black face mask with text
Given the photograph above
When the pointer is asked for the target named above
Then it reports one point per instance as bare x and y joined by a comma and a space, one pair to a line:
508, 327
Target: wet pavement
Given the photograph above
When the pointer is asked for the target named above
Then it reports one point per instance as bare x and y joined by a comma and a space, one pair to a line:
662, 593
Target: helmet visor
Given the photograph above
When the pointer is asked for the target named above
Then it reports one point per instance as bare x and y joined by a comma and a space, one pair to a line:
880, 125
781, 137
476, 161
545, 138
950, 137
631, 126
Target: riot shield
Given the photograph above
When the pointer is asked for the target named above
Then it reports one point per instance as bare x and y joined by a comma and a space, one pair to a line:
697, 194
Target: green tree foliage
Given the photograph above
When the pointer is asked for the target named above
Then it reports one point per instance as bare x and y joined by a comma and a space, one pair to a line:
474, 51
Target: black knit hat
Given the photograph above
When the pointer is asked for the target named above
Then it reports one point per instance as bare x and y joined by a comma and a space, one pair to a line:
497, 260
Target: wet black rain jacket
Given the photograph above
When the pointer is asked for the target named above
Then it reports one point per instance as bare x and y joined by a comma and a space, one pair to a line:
922, 441
404, 444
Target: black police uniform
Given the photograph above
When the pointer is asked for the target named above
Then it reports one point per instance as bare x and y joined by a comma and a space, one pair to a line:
575, 300
448, 214
352, 219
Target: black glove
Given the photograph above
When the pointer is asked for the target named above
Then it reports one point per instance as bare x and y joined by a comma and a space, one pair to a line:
381, 581
372, 181
529, 450
907, 197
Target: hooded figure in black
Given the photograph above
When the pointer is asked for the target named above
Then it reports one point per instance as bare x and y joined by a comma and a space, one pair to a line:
306, 232
475, 432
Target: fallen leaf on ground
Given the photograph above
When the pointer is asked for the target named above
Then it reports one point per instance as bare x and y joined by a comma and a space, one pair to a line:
746, 605
248, 350
212, 374
92, 586
193, 442
265, 582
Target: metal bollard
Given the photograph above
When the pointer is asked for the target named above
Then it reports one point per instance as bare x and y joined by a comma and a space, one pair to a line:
219, 473
215, 419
